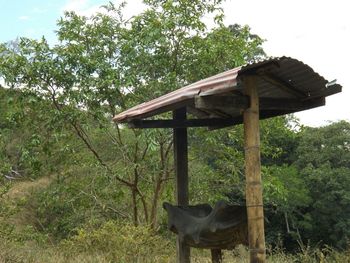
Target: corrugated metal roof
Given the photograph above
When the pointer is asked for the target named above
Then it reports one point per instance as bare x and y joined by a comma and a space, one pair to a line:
273, 74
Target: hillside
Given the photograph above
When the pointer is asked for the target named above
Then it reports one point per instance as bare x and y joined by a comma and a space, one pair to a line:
63, 201
75, 187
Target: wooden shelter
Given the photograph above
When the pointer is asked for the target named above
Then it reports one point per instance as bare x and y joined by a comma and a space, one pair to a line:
260, 90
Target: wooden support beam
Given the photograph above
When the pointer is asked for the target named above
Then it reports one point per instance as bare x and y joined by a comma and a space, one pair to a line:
286, 104
330, 90
181, 174
254, 200
236, 103
182, 123
216, 255
269, 107
167, 108
286, 86
198, 113
227, 102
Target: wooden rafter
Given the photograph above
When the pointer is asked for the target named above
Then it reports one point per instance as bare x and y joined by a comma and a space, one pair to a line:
286, 86
269, 108
331, 90
228, 102
237, 103
178, 123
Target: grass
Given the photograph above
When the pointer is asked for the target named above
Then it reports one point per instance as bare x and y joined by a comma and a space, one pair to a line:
11, 253
113, 241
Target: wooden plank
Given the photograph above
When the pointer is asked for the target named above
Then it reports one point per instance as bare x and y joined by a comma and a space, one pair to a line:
285, 104
330, 90
228, 102
181, 174
269, 108
254, 200
181, 123
200, 114
333, 89
219, 114
271, 112
278, 82
236, 103
156, 111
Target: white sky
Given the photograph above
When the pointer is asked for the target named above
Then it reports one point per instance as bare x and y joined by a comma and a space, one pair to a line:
315, 32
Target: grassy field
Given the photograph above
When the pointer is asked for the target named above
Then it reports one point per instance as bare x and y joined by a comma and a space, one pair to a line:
30, 252
113, 241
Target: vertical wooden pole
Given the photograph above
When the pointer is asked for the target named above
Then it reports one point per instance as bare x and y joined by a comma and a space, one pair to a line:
254, 201
216, 256
181, 173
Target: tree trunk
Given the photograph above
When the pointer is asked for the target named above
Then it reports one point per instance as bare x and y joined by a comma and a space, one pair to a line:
134, 206
154, 209
216, 256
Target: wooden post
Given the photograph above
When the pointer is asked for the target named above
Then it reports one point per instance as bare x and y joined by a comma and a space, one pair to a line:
254, 201
216, 256
181, 173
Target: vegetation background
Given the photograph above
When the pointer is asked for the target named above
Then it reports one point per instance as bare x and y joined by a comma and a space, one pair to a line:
75, 187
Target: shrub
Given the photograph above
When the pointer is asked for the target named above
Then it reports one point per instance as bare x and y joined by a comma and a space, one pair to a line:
121, 242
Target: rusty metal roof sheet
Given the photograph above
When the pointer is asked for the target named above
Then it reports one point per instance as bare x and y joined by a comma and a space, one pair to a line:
273, 76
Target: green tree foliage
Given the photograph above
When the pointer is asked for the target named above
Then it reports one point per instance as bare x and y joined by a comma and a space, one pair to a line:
104, 64
306, 184
30, 137
324, 162
329, 144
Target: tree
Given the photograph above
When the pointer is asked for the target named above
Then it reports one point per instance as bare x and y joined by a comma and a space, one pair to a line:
28, 136
104, 64
323, 159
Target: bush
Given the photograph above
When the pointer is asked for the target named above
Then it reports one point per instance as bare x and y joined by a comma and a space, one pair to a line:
121, 242
83, 196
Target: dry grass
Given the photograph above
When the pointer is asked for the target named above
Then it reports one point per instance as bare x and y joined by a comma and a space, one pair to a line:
12, 253
114, 242
22, 212
22, 189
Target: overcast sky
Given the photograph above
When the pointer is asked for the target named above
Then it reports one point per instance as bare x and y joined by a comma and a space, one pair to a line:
316, 32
